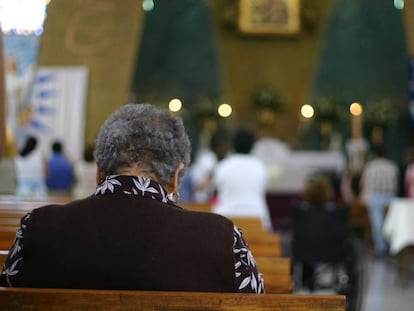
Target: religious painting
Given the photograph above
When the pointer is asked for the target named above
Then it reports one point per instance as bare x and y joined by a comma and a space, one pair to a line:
269, 17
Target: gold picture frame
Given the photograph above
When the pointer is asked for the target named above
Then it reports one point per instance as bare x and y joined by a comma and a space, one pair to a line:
269, 17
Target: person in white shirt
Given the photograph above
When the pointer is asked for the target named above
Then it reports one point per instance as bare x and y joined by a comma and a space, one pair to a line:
379, 184
31, 170
240, 180
204, 164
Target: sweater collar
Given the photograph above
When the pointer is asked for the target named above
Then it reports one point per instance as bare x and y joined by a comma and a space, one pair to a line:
132, 185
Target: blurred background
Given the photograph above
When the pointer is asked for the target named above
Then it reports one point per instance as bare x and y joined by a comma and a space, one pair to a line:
309, 78
260, 62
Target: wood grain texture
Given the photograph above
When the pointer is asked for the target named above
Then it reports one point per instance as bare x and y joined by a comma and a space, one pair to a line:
12, 299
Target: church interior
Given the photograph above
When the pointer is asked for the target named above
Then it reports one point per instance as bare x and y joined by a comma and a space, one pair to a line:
307, 77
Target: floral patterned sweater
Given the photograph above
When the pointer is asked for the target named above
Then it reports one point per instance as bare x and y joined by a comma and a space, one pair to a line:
248, 278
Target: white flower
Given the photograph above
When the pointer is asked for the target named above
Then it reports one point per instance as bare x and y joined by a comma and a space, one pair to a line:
164, 195
245, 282
11, 270
142, 184
16, 248
108, 184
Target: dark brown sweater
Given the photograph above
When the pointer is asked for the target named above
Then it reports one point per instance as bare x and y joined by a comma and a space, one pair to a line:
127, 242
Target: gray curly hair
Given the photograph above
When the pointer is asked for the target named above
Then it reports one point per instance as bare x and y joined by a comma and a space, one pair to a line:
143, 135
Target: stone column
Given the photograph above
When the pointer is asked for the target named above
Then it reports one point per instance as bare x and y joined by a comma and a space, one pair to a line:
102, 35
2, 100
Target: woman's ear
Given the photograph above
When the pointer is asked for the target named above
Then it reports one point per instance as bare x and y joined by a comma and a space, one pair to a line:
174, 181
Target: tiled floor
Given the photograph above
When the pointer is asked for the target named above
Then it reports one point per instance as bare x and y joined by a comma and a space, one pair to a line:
383, 290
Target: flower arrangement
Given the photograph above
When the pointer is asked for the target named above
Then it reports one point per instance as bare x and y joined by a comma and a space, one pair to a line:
327, 110
380, 113
267, 98
205, 108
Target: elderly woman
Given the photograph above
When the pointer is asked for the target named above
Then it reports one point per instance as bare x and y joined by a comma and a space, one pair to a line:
130, 234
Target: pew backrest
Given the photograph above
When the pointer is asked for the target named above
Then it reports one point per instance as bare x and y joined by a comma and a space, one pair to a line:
277, 274
13, 299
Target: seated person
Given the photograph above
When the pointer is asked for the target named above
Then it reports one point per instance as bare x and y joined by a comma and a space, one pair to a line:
320, 226
60, 176
131, 234
31, 169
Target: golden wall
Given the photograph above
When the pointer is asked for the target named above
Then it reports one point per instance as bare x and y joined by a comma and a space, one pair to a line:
286, 62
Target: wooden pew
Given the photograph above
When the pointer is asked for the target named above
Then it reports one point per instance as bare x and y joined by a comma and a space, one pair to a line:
265, 250
7, 235
276, 273
197, 207
253, 224
261, 242
3, 256
13, 299
12, 199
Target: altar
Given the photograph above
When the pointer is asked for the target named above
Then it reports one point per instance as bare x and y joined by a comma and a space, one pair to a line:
288, 171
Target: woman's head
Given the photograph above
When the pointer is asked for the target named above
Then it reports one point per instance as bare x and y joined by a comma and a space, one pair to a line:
29, 146
143, 138
318, 191
243, 141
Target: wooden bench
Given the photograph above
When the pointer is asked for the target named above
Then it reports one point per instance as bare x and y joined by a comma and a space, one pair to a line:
12, 221
276, 273
7, 236
261, 242
13, 299
52, 199
3, 256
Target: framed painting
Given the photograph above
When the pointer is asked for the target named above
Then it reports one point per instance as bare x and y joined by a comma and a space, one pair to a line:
269, 17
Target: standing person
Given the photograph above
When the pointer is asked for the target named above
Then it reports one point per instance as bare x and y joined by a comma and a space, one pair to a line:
408, 175
357, 149
130, 234
204, 164
240, 180
60, 178
31, 170
379, 184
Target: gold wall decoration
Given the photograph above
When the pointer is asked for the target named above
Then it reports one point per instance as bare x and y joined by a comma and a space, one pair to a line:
269, 17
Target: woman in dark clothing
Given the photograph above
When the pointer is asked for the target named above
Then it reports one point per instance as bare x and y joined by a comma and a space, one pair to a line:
130, 234
320, 228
